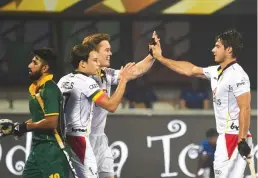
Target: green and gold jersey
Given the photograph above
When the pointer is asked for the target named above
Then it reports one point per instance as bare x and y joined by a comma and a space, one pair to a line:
48, 104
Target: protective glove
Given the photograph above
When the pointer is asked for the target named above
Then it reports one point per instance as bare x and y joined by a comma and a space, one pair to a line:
6, 127
20, 129
244, 149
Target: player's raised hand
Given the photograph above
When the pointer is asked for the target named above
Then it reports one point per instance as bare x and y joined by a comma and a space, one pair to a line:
154, 41
155, 47
156, 38
126, 72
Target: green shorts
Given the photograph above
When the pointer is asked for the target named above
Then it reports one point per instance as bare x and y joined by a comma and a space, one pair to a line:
46, 160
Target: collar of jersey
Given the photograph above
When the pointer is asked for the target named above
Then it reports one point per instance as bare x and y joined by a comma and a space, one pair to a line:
78, 72
102, 75
220, 71
37, 84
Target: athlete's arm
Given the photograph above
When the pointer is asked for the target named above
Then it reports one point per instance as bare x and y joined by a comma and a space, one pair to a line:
243, 102
51, 98
240, 85
49, 122
112, 103
181, 67
142, 67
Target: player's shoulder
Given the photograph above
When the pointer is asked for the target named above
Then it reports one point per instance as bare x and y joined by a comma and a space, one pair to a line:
80, 78
236, 68
51, 88
211, 70
85, 82
213, 67
238, 72
51, 84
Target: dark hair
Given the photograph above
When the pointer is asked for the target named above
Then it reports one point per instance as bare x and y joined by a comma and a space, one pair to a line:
231, 38
48, 56
81, 53
211, 133
96, 38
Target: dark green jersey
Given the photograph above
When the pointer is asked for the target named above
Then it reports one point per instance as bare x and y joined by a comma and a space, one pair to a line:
51, 98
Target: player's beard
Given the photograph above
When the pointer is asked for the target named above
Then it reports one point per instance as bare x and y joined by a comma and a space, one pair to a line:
35, 76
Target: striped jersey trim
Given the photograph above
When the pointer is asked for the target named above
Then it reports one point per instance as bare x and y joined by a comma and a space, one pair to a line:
52, 114
97, 96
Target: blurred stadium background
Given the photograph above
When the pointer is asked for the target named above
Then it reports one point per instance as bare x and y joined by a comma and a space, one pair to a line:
187, 29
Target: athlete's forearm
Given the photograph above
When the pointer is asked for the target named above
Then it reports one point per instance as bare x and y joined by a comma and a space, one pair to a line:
143, 66
49, 122
181, 67
244, 121
116, 98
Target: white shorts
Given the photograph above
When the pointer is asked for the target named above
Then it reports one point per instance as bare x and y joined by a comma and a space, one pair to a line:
83, 158
228, 163
103, 154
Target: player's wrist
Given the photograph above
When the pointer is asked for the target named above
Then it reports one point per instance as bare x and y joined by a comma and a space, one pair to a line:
123, 80
241, 138
159, 57
20, 129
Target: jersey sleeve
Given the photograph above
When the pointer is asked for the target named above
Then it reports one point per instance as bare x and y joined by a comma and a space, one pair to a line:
240, 84
92, 90
114, 75
65, 85
210, 71
51, 96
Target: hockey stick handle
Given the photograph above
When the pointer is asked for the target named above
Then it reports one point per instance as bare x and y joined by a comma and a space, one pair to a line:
251, 166
61, 145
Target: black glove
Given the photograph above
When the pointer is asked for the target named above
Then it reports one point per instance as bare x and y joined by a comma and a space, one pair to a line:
152, 42
243, 148
20, 129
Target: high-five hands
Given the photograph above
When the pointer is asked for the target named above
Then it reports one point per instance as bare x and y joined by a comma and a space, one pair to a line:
154, 46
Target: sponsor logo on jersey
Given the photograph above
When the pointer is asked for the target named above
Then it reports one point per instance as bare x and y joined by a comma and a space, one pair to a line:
93, 86
218, 172
241, 83
234, 127
79, 130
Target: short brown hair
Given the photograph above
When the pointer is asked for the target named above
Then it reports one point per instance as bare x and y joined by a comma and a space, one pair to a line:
80, 53
96, 38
